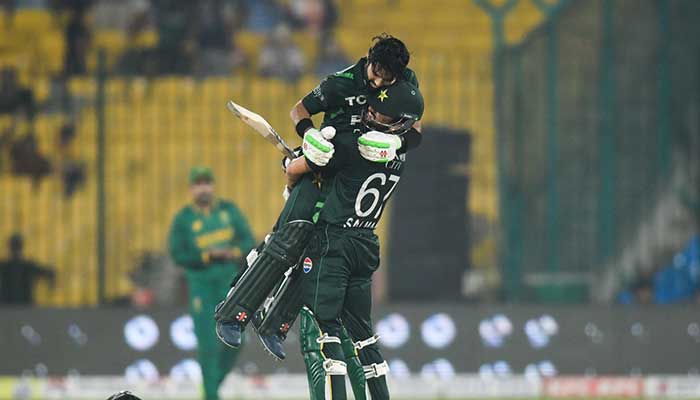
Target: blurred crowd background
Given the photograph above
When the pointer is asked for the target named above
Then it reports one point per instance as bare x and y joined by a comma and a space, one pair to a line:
560, 160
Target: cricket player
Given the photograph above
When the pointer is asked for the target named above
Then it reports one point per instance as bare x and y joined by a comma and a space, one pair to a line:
208, 239
342, 97
343, 252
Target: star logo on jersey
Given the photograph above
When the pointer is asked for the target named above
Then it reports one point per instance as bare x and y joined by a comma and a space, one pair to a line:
382, 95
197, 225
307, 265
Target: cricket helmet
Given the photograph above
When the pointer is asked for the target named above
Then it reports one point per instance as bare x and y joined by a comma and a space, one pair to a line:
402, 101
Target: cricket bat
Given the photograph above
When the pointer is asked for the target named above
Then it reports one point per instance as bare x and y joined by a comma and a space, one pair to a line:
261, 126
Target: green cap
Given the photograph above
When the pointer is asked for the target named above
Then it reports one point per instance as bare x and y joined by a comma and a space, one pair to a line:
201, 173
400, 100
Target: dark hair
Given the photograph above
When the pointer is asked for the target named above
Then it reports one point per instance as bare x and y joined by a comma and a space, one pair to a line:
389, 54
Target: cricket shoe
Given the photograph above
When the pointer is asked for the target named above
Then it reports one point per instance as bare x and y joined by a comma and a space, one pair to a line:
271, 342
273, 345
229, 332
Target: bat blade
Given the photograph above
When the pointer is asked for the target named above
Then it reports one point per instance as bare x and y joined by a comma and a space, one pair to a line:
261, 126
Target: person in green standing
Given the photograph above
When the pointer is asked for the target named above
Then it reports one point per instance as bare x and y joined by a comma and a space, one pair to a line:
208, 238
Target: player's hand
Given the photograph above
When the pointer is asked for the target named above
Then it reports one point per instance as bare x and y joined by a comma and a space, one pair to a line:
378, 147
286, 160
317, 147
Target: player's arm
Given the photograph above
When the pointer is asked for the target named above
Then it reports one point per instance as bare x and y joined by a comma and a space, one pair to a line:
304, 165
313, 103
298, 114
315, 145
327, 95
181, 248
296, 169
411, 139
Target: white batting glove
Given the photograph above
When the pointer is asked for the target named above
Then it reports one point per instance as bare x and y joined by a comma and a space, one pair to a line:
378, 147
317, 147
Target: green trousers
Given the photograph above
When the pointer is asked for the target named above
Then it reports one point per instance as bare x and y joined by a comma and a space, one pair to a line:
207, 288
337, 287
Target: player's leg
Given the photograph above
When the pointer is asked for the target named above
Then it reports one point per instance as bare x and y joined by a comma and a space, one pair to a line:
281, 251
356, 318
304, 205
201, 302
281, 316
323, 357
356, 373
324, 282
275, 321
356, 315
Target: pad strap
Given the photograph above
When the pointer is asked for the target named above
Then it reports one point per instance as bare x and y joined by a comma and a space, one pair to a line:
325, 338
376, 370
367, 342
335, 367
252, 256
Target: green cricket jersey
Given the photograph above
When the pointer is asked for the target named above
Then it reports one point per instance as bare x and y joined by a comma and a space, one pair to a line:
343, 95
194, 232
355, 189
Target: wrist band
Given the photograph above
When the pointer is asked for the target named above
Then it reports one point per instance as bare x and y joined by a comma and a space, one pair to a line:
303, 125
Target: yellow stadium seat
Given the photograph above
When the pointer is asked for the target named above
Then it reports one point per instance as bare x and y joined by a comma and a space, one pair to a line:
33, 21
52, 50
113, 41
